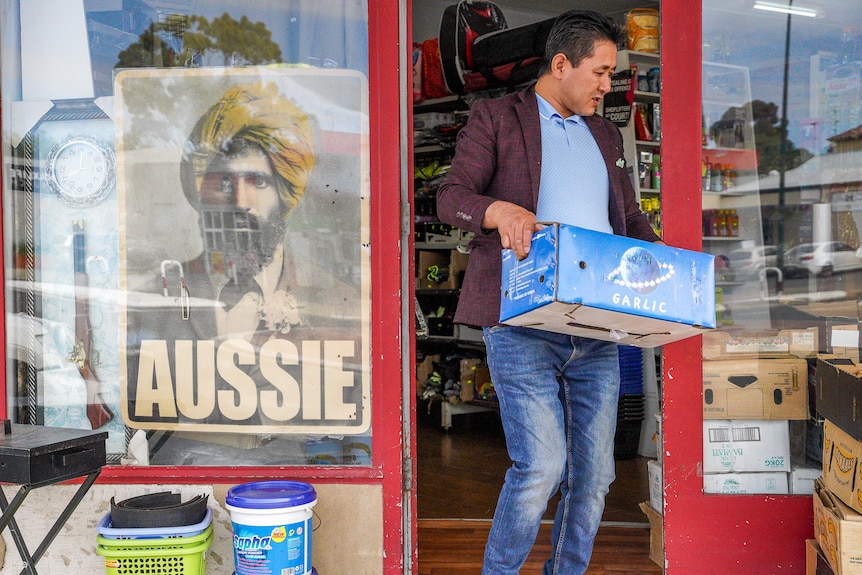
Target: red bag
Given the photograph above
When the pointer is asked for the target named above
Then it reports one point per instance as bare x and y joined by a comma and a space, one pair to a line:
511, 74
460, 25
433, 85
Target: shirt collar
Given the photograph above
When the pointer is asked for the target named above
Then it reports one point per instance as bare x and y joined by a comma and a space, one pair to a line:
548, 112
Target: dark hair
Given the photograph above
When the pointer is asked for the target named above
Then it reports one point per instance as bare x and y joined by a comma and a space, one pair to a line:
575, 34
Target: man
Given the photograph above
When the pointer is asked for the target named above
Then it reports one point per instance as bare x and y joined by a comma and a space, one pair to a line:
542, 155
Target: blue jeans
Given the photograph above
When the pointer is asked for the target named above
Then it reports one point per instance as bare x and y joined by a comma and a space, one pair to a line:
558, 402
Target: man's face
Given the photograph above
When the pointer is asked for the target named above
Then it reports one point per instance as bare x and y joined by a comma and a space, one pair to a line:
243, 180
582, 88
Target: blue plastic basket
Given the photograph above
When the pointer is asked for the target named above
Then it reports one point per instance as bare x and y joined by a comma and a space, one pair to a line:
105, 529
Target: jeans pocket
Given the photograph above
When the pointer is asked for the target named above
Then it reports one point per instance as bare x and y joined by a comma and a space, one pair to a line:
495, 328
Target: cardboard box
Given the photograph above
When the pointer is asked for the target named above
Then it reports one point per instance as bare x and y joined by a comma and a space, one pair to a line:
468, 378
784, 343
752, 445
773, 483
432, 270
608, 287
656, 533
438, 308
839, 393
436, 233
815, 561
656, 485
483, 384
838, 530
802, 479
842, 468
844, 341
755, 389
440, 269
424, 369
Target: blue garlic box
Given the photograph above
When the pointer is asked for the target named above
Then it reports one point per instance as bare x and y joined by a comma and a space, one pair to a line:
608, 287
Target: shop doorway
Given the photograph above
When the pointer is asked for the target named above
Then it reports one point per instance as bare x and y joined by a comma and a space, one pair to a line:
460, 445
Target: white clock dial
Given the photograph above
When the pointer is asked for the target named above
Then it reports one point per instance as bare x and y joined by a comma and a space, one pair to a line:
81, 169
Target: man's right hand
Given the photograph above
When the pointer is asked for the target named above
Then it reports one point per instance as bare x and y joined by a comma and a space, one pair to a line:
515, 224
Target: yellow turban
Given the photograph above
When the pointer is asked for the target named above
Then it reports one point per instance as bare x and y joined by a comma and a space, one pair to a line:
256, 113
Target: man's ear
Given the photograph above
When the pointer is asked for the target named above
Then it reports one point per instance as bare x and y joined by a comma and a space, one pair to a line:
558, 65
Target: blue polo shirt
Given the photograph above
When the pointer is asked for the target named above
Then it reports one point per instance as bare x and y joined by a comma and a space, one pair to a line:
574, 186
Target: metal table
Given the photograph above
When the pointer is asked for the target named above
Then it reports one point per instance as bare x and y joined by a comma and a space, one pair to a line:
34, 456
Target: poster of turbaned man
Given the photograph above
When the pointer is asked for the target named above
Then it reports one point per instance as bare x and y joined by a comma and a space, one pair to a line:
243, 201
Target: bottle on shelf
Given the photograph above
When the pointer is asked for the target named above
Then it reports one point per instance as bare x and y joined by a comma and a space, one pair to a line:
716, 178
706, 175
721, 223
732, 223
656, 170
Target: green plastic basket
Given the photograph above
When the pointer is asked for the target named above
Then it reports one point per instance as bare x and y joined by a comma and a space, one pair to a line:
156, 556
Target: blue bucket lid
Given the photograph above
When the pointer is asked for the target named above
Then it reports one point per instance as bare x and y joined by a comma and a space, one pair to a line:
270, 494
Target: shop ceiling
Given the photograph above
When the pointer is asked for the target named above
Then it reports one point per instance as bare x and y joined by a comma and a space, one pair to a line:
615, 8
426, 13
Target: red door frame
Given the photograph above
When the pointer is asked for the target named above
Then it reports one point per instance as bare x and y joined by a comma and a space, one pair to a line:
705, 534
385, 35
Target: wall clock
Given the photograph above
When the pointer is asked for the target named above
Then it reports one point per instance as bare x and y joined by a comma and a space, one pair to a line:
81, 169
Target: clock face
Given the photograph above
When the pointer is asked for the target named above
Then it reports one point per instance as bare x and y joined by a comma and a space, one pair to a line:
81, 169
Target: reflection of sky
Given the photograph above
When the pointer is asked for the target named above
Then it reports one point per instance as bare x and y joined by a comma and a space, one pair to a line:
321, 33
746, 37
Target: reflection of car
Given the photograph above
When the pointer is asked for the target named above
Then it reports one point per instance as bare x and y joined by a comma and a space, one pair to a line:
822, 258
746, 263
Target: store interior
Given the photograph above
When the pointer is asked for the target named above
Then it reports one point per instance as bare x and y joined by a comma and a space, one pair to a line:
460, 444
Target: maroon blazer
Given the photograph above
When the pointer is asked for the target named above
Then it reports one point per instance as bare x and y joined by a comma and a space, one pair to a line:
499, 157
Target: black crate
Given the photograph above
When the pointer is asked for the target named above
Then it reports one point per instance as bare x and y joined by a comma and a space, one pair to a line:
34, 454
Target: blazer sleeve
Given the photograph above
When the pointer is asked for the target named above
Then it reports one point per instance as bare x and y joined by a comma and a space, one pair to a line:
461, 199
491, 162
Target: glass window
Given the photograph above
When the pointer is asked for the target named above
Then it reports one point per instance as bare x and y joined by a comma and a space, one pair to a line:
782, 213
185, 197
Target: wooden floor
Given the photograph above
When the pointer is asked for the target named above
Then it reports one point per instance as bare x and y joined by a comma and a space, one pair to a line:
460, 472
448, 547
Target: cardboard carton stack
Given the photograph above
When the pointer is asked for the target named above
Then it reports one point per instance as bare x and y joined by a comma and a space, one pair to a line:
838, 492
754, 386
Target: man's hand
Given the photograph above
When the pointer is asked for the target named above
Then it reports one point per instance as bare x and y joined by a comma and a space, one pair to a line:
515, 224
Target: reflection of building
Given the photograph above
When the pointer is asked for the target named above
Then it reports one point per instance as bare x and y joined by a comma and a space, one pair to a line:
831, 181
229, 235
848, 141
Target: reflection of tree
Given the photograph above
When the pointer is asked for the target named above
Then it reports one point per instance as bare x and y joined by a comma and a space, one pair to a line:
767, 135
224, 41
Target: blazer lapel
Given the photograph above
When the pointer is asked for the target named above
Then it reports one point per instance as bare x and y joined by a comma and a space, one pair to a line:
528, 114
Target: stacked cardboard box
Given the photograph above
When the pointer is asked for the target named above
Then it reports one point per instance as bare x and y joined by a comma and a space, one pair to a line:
656, 533
838, 530
754, 386
838, 492
815, 561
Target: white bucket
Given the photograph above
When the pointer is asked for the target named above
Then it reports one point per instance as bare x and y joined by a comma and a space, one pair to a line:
272, 527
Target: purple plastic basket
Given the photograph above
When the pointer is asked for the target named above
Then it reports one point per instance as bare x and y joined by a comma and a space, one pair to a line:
105, 529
